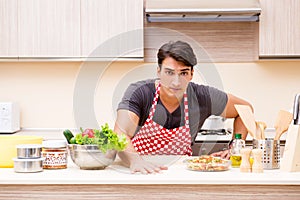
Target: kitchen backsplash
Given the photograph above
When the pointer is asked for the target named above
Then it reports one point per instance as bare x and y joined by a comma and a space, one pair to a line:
44, 90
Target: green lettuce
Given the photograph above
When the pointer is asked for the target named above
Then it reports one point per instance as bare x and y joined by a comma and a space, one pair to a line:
105, 138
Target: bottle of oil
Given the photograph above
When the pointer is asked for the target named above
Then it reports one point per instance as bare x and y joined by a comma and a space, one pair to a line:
235, 154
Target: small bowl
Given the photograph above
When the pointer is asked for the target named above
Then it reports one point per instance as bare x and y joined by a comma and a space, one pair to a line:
28, 165
90, 156
29, 151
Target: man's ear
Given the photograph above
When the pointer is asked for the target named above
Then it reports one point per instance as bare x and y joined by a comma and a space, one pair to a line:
192, 74
158, 71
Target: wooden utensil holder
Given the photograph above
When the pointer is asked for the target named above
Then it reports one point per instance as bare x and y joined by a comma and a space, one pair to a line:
291, 156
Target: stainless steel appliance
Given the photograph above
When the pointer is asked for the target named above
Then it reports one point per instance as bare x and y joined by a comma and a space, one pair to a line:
210, 141
202, 11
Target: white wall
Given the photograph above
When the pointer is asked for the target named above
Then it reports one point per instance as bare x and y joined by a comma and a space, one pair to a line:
44, 90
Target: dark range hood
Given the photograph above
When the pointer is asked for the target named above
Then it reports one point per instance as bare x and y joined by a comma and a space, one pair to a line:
202, 10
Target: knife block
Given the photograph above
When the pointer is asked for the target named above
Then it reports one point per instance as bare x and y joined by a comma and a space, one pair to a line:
290, 161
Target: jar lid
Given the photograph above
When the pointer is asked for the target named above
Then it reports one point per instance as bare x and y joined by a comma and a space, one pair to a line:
54, 143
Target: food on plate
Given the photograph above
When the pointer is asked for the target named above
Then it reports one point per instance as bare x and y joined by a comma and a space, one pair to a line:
208, 163
105, 138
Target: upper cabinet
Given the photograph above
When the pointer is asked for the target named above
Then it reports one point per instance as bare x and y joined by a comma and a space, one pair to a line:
211, 41
49, 28
279, 34
112, 28
71, 28
8, 28
218, 30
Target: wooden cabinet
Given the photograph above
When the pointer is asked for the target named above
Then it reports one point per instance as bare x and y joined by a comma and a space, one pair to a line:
279, 28
112, 28
49, 28
71, 28
211, 41
8, 28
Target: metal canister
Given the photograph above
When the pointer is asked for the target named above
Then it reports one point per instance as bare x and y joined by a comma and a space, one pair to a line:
271, 152
26, 165
55, 154
29, 151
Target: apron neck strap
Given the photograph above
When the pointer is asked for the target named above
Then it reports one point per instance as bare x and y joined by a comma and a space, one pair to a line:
185, 104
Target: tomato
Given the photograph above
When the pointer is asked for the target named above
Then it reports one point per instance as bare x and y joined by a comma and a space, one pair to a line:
89, 132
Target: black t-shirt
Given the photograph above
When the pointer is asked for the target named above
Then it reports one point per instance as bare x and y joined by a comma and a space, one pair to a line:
203, 101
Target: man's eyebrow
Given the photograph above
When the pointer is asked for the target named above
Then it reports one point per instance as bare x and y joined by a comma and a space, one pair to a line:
186, 69
169, 69
182, 70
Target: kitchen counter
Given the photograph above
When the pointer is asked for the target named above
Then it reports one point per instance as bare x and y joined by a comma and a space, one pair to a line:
116, 182
119, 174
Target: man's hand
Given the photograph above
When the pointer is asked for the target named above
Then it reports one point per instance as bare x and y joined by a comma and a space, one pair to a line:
140, 165
223, 154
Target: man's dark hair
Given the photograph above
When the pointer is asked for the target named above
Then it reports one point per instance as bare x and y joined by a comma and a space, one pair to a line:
180, 51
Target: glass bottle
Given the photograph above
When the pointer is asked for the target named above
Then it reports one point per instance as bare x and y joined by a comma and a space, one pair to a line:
235, 154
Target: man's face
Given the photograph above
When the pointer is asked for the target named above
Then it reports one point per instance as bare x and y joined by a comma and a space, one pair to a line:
174, 77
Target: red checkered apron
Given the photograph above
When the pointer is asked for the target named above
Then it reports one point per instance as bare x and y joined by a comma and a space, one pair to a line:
154, 139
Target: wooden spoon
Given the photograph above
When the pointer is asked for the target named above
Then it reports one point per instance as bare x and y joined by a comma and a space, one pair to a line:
247, 117
284, 118
260, 128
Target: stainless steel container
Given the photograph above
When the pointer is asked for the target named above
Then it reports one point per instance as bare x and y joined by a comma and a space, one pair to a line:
28, 165
90, 156
271, 152
29, 151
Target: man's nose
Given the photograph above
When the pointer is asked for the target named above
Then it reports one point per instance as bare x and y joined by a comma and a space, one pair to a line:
176, 80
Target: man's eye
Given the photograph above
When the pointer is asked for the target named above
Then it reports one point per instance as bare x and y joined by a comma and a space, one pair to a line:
184, 73
169, 72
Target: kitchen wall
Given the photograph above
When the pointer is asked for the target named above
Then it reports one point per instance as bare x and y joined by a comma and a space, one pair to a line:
44, 90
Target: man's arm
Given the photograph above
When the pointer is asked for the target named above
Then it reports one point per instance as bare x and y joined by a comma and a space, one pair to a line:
230, 112
127, 123
238, 125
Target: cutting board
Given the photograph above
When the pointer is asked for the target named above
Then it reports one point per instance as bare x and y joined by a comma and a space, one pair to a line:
290, 161
247, 117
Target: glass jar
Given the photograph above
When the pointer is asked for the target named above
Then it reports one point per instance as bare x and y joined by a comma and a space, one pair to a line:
55, 154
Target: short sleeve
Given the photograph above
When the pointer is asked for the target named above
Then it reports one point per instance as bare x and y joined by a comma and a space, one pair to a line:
218, 100
131, 99
138, 98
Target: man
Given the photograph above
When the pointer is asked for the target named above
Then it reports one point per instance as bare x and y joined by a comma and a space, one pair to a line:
162, 116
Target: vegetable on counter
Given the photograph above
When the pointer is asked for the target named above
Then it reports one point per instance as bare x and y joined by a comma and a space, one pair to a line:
68, 135
105, 138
